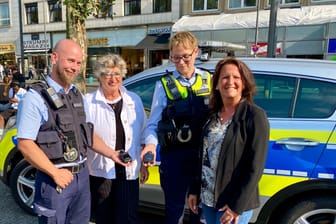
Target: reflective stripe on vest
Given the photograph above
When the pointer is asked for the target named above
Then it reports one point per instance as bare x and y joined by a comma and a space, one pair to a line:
175, 90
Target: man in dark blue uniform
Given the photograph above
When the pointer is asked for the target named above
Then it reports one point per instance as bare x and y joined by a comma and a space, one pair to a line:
179, 110
54, 135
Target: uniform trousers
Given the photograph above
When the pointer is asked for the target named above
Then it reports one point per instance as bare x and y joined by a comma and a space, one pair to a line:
176, 169
72, 205
114, 201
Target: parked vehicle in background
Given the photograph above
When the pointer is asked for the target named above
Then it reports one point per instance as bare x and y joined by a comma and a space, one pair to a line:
299, 180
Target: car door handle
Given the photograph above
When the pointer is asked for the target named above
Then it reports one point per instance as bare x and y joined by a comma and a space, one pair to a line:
297, 144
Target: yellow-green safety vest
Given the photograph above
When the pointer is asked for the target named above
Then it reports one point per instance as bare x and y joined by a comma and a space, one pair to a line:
175, 90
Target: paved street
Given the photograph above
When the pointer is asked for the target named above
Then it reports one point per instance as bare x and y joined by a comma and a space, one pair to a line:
10, 212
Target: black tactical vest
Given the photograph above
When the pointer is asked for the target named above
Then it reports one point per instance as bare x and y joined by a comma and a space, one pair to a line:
66, 130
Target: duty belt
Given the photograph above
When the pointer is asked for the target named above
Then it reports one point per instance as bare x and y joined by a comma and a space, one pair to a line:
72, 167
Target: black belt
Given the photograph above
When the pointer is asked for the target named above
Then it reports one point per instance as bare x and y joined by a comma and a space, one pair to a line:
74, 169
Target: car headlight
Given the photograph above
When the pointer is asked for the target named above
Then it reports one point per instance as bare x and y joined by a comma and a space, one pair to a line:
11, 122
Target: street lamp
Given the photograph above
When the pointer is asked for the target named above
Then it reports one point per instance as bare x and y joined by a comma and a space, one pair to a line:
272, 32
257, 29
45, 35
21, 37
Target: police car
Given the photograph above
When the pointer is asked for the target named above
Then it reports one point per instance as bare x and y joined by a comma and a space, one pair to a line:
299, 180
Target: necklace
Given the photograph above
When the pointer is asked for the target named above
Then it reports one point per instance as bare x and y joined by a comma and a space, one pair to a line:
223, 118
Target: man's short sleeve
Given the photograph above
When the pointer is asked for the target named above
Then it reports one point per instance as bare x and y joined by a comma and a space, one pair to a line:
32, 113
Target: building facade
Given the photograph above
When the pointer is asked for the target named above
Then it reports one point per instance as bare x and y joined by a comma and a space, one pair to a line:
139, 32
304, 28
9, 31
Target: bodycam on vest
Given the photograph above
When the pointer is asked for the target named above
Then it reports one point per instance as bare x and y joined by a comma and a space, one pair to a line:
186, 112
66, 136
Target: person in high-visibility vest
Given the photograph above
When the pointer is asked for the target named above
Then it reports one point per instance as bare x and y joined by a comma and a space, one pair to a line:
179, 111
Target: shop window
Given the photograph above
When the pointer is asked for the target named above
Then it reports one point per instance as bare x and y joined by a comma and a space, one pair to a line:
55, 11
8, 58
132, 7
235, 4
203, 5
4, 14
161, 6
31, 13
107, 10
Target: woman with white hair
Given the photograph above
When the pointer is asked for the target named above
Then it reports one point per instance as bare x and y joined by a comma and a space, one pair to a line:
119, 119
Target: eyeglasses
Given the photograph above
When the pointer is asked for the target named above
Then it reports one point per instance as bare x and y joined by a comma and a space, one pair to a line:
110, 75
185, 57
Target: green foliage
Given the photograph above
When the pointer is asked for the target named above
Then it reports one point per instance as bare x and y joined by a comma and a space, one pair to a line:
77, 12
82, 9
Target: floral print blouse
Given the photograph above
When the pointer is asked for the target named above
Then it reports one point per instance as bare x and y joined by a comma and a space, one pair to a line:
211, 149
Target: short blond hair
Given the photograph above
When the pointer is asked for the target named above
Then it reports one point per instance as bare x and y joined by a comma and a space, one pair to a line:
183, 38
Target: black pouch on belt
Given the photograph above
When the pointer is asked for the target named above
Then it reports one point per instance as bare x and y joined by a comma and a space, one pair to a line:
166, 133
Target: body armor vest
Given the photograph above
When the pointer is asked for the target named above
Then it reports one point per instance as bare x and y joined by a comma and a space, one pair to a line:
186, 112
66, 136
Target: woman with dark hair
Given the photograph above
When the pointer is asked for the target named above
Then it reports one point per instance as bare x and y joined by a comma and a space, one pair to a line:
233, 149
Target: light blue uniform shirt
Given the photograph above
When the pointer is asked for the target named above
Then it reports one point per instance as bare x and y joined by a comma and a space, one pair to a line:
33, 112
159, 103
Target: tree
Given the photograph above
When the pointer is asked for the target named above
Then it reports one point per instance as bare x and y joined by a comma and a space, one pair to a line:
77, 11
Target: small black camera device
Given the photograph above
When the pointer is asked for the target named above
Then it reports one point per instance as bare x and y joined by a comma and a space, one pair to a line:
53, 98
148, 157
124, 156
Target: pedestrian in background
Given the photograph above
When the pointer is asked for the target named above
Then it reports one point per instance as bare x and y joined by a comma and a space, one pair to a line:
19, 77
2, 69
234, 148
119, 119
15, 95
54, 135
31, 72
4, 91
179, 110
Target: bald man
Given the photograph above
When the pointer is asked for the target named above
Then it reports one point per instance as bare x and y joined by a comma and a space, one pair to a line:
54, 135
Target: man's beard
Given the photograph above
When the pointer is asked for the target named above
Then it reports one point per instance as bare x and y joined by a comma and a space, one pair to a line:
66, 79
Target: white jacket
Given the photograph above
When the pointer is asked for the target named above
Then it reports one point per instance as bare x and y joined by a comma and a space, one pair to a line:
133, 118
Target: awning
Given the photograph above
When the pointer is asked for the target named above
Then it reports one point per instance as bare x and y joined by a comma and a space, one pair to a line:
220, 46
306, 15
154, 41
7, 52
48, 50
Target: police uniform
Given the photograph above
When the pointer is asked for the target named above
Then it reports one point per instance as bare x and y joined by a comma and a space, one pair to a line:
178, 134
64, 136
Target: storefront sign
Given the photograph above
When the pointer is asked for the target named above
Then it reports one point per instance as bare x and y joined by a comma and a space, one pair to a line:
159, 30
7, 47
36, 44
332, 45
103, 41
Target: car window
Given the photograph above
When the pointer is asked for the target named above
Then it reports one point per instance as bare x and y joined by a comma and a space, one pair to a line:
289, 97
145, 89
316, 99
274, 94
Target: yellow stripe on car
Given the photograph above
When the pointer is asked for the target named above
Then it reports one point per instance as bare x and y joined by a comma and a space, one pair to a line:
271, 184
